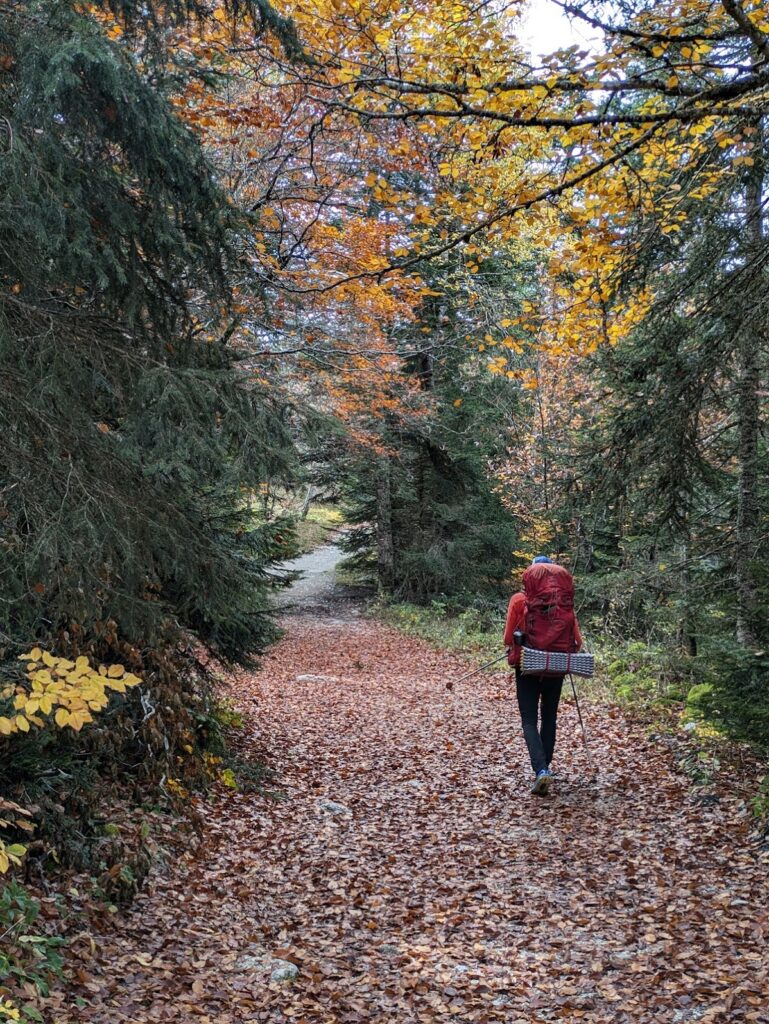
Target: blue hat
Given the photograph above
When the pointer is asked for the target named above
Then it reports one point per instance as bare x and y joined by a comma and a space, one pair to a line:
541, 558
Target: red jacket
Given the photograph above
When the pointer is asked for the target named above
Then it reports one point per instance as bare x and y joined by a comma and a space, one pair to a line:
514, 621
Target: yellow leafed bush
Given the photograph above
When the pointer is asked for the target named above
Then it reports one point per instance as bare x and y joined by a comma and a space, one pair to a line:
67, 691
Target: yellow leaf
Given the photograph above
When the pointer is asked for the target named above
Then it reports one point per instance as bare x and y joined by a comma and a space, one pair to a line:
78, 719
115, 671
61, 717
6, 726
22, 724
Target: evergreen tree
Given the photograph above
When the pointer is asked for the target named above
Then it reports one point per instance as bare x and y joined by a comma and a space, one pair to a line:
131, 437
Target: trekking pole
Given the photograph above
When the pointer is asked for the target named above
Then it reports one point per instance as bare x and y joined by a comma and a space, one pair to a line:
588, 751
450, 684
579, 713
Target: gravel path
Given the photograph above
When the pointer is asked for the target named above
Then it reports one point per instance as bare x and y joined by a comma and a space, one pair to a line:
318, 580
318, 591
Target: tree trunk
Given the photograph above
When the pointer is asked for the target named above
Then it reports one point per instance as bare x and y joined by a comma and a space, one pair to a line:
747, 491
750, 344
309, 495
384, 527
687, 636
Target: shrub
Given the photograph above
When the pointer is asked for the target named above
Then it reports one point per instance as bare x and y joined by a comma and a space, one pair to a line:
28, 957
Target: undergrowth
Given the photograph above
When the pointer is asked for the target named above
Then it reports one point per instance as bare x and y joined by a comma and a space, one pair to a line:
30, 956
317, 528
475, 630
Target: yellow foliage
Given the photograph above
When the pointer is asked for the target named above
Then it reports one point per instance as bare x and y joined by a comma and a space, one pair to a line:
10, 854
70, 691
176, 788
13, 816
8, 1011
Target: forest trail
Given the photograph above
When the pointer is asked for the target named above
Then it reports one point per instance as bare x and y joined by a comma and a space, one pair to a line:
316, 588
408, 876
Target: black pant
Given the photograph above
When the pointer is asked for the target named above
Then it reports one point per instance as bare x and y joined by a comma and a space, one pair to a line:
537, 693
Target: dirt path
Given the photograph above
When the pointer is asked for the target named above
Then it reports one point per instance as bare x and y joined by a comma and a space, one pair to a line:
408, 876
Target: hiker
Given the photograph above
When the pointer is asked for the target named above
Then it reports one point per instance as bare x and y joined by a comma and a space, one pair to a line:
542, 617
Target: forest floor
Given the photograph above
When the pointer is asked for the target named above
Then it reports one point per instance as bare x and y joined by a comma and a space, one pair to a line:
407, 875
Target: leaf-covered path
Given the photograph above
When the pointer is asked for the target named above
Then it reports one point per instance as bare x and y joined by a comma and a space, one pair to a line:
411, 878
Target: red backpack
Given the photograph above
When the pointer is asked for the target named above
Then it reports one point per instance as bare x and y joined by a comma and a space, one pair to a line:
549, 622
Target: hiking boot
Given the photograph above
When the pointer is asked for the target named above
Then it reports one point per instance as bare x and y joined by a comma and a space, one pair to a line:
542, 782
